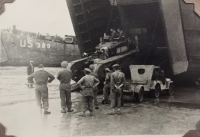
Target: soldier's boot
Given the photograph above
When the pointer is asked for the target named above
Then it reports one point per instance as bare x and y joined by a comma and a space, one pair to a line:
112, 112
119, 111
63, 111
91, 114
82, 114
71, 110
47, 112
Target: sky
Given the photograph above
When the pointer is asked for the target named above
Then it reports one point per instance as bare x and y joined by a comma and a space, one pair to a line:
44, 16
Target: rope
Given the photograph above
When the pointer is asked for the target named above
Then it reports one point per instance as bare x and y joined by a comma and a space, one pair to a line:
152, 37
110, 16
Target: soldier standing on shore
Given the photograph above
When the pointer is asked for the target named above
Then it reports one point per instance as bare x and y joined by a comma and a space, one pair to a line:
87, 83
64, 76
42, 77
117, 83
106, 88
30, 70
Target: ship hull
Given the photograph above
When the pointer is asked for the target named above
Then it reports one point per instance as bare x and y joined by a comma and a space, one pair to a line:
172, 39
18, 50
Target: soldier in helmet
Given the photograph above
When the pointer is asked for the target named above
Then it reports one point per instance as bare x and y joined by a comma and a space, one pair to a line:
117, 83
64, 76
88, 83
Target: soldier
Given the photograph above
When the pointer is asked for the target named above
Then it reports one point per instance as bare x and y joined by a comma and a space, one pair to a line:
117, 83
106, 88
64, 76
92, 67
30, 70
42, 77
88, 83
121, 34
113, 34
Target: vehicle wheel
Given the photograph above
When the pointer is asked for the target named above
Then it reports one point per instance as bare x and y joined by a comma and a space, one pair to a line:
140, 96
171, 90
156, 92
103, 102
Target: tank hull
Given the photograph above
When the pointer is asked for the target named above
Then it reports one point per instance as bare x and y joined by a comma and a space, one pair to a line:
18, 50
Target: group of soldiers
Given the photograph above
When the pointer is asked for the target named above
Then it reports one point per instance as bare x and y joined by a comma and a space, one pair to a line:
113, 84
119, 34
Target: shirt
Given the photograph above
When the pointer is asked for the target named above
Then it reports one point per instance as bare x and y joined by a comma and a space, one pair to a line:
117, 78
113, 35
42, 77
121, 34
64, 76
88, 81
30, 69
107, 79
96, 76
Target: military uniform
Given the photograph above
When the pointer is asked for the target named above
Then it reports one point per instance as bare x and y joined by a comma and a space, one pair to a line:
64, 77
30, 70
42, 77
106, 88
113, 35
117, 82
87, 83
95, 89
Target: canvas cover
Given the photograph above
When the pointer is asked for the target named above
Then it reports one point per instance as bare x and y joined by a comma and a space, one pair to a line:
146, 76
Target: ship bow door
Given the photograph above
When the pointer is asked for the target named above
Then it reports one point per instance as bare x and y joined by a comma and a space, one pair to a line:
175, 36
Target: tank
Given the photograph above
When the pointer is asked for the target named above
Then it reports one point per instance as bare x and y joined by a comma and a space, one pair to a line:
18, 50
171, 39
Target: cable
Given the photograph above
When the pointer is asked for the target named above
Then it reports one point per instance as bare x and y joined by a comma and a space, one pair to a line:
110, 16
152, 37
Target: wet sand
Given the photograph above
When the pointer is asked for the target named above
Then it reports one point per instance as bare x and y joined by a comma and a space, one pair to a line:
18, 112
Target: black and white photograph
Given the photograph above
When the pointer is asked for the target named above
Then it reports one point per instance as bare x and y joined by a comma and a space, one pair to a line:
100, 68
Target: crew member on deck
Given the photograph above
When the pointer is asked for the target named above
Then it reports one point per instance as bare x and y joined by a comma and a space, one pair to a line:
120, 34
113, 34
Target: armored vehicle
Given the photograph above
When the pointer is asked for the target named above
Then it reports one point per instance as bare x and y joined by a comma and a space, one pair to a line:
171, 42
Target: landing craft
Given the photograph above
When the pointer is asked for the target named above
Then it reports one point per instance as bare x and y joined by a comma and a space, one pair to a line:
171, 39
17, 49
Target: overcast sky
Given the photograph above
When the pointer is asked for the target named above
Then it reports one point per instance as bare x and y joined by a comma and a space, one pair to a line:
44, 16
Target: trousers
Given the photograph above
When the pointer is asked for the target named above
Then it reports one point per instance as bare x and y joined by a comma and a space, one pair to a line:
115, 99
106, 90
65, 96
95, 97
41, 92
87, 103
